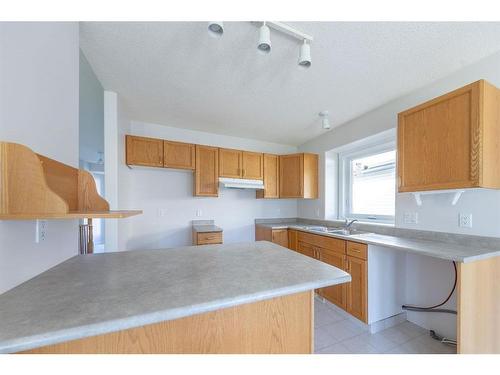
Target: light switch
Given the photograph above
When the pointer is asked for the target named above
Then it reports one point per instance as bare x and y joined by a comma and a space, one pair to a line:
410, 218
199, 213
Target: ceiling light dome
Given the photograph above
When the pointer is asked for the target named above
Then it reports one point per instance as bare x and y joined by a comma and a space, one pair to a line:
305, 55
216, 28
325, 121
264, 45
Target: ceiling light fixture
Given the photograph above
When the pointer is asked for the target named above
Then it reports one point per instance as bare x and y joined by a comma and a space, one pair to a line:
264, 45
305, 55
216, 28
325, 121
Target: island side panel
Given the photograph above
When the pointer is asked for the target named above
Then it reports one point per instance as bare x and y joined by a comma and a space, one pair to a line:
479, 306
282, 325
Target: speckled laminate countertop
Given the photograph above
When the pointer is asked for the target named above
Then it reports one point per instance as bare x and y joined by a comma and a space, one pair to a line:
436, 249
89, 295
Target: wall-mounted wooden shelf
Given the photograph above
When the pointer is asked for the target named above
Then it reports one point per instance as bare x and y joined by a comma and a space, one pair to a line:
73, 215
33, 187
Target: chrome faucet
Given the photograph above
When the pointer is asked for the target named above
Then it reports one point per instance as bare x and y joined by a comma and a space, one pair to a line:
348, 224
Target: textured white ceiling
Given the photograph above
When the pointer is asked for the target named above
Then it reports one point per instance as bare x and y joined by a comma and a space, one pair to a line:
174, 73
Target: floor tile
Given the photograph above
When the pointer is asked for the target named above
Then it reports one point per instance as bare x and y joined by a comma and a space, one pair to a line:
396, 335
324, 316
398, 350
412, 329
343, 330
378, 341
322, 339
359, 345
338, 348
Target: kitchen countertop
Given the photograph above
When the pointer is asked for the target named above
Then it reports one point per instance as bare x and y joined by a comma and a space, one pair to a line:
436, 249
89, 295
206, 228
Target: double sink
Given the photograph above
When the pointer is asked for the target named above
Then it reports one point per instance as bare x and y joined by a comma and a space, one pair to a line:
331, 230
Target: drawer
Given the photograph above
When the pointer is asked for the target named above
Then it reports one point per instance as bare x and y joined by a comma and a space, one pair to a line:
209, 238
358, 250
333, 244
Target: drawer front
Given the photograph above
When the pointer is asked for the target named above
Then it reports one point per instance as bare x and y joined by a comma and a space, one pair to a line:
358, 250
209, 238
333, 244
306, 249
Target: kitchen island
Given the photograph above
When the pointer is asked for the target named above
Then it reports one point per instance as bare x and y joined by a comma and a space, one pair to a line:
235, 298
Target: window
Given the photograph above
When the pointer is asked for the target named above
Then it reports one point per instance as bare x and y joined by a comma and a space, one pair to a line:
368, 184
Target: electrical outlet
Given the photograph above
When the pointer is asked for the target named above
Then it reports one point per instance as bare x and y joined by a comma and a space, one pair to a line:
465, 220
40, 231
410, 218
199, 213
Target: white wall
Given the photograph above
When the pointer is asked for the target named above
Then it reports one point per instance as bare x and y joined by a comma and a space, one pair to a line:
38, 108
428, 279
152, 189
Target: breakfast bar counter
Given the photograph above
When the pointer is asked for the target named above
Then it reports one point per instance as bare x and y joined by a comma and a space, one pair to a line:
236, 298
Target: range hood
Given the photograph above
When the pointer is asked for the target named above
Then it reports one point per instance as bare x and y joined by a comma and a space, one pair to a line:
240, 183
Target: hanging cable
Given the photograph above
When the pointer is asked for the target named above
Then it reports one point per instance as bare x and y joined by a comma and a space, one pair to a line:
435, 307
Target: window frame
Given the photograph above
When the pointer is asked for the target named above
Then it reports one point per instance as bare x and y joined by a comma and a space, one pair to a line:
345, 186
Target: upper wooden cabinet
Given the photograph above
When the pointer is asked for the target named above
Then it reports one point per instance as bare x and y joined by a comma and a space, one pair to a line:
271, 177
240, 164
144, 151
298, 176
452, 141
253, 165
178, 155
230, 163
206, 181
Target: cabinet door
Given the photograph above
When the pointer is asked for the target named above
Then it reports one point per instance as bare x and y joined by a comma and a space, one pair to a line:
357, 289
292, 239
271, 177
438, 142
230, 163
178, 155
144, 151
206, 181
252, 165
280, 237
291, 176
306, 249
336, 294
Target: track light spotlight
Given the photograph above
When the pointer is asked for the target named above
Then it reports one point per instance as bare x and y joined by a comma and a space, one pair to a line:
305, 55
264, 45
325, 121
216, 28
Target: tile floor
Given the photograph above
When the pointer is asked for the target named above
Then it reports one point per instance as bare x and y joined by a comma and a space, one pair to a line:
334, 333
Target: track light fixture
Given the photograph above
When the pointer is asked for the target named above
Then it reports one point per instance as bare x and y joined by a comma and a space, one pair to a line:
264, 45
216, 28
325, 121
305, 55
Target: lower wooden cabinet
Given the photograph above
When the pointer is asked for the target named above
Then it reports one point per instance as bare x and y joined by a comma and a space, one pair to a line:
336, 294
207, 238
280, 237
357, 289
349, 256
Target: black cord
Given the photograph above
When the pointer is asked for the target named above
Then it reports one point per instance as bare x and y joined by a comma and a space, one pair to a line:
434, 308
